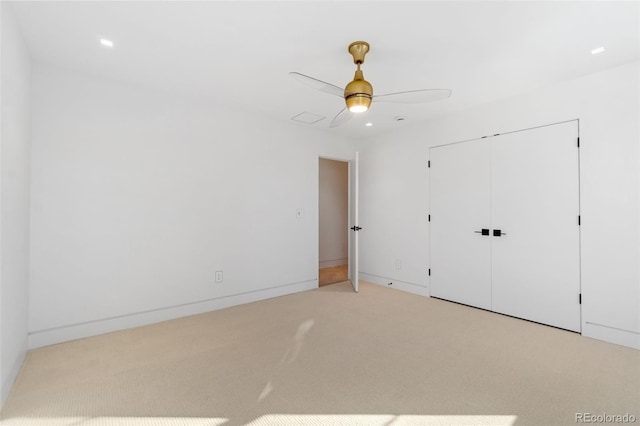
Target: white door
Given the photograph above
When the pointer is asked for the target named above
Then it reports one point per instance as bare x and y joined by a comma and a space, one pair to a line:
460, 209
535, 190
353, 222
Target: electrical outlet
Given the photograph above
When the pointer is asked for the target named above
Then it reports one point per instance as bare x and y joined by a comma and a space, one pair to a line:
219, 276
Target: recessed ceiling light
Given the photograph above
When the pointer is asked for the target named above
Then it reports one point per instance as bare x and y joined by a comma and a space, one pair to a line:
369, 124
597, 50
106, 43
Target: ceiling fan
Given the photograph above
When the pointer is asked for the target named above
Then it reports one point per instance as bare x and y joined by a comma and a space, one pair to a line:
358, 94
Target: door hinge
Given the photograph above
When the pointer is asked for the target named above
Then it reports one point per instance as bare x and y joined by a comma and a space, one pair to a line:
429, 218
579, 220
578, 142
429, 271
580, 298
429, 163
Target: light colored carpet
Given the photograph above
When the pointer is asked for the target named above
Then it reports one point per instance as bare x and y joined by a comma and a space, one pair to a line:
328, 356
333, 275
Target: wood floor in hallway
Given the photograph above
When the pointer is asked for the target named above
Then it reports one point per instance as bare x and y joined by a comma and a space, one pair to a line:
334, 274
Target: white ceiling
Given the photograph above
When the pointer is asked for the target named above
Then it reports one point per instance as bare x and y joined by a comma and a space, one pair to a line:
240, 52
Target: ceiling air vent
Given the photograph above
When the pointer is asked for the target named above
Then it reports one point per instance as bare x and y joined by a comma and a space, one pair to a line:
307, 118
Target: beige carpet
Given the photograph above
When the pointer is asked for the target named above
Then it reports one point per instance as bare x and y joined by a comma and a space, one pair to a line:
329, 357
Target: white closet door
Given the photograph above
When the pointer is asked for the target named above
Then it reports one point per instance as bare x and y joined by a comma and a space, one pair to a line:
460, 208
353, 222
535, 190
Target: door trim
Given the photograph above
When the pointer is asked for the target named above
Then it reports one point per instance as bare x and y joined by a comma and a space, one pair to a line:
347, 160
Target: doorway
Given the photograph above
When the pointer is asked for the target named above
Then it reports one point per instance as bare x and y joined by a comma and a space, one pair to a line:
333, 218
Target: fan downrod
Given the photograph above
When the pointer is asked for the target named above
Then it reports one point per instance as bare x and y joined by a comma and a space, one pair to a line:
358, 49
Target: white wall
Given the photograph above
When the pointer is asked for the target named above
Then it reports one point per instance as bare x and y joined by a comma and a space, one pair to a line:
139, 197
334, 210
14, 201
394, 192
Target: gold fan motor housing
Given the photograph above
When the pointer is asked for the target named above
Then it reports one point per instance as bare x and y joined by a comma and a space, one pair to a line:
358, 86
358, 93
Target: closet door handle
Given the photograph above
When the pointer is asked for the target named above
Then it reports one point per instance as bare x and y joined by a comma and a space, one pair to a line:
484, 231
498, 232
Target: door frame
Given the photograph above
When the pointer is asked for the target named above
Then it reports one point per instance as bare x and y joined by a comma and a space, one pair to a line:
349, 161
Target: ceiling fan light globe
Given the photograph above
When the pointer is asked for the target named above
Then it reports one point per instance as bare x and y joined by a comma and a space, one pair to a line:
358, 108
359, 102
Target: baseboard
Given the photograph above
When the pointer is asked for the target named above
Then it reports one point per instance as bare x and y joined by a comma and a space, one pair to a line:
421, 290
332, 263
602, 332
93, 328
611, 334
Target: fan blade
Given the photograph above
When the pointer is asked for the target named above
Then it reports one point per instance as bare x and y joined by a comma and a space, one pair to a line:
318, 84
414, 96
342, 117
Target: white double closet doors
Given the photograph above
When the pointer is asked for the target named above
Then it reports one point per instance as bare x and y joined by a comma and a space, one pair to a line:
522, 189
